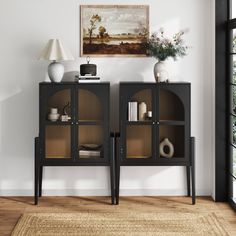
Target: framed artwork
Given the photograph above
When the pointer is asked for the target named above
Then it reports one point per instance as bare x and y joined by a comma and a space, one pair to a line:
114, 30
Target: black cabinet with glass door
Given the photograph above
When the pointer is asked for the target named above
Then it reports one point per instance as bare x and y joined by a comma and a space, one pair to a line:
83, 138
169, 106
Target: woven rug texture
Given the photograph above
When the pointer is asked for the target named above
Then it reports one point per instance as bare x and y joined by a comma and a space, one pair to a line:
90, 223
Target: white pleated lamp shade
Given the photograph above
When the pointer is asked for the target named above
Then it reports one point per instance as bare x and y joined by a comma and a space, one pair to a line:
55, 51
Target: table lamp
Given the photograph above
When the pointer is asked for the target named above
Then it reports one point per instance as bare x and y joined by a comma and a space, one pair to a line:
55, 51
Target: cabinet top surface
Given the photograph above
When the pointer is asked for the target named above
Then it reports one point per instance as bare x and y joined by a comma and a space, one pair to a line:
151, 83
108, 83
72, 83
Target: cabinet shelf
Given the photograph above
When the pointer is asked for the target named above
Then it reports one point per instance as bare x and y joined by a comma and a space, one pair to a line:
149, 122
138, 157
58, 157
84, 122
90, 157
172, 158
161, 122
58, 122
171, 122
90, 122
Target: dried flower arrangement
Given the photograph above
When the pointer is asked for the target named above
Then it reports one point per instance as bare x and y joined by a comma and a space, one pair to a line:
161, 47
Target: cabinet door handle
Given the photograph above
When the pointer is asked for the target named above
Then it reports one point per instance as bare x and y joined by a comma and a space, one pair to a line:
153, 123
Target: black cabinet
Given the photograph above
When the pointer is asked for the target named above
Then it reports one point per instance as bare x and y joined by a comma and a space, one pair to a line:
139, 142
83, 140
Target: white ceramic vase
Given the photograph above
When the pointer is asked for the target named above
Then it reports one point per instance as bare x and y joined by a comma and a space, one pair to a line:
55, 72
53, 115
166, 143
160, 72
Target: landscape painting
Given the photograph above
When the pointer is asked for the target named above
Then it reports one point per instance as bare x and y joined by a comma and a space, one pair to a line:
114, 30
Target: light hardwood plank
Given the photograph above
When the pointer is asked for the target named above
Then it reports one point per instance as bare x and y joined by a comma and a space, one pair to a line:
11, 208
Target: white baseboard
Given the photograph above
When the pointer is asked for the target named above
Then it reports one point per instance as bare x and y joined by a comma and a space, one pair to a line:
103, 192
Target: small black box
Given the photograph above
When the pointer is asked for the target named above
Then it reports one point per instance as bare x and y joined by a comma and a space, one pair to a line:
88, 69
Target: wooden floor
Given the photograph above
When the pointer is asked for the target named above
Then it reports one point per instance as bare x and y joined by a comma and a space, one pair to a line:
11, 208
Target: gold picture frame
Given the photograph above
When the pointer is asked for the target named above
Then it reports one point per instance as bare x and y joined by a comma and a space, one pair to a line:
114, 30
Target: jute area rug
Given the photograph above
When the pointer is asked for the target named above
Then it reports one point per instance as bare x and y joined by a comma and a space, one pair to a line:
86, 224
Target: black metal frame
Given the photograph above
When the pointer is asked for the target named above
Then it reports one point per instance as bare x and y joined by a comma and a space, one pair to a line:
223, 103
182, 90
102, 91
221, 99
231, 23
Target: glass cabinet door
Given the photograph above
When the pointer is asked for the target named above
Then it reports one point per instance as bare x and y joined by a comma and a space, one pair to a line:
137, 117
138, 141
90, 139
173, 132
56, 122
58, 141
89, 106
171, 107
172, 138
91, 124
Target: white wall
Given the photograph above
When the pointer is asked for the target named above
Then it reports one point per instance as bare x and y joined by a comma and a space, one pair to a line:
26, 26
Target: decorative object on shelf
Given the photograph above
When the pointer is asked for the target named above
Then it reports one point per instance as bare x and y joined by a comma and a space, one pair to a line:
170, 152
55, 51
142, 111
90, 150
87, 79
88, 69
89, 153
149, 115
161, 48
105, 30
66, 112
67, 109
53, 115
91, 146
65, 118
133, 111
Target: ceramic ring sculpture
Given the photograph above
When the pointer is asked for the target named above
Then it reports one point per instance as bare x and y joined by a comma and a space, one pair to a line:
166, 143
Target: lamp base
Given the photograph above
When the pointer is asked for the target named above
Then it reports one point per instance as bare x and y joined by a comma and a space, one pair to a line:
55, 72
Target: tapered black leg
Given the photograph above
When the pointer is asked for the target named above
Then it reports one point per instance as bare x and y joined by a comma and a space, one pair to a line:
117, 170
112, 170
112, 184
36, 170
117, 184
193, 169
40, 180
188, 180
